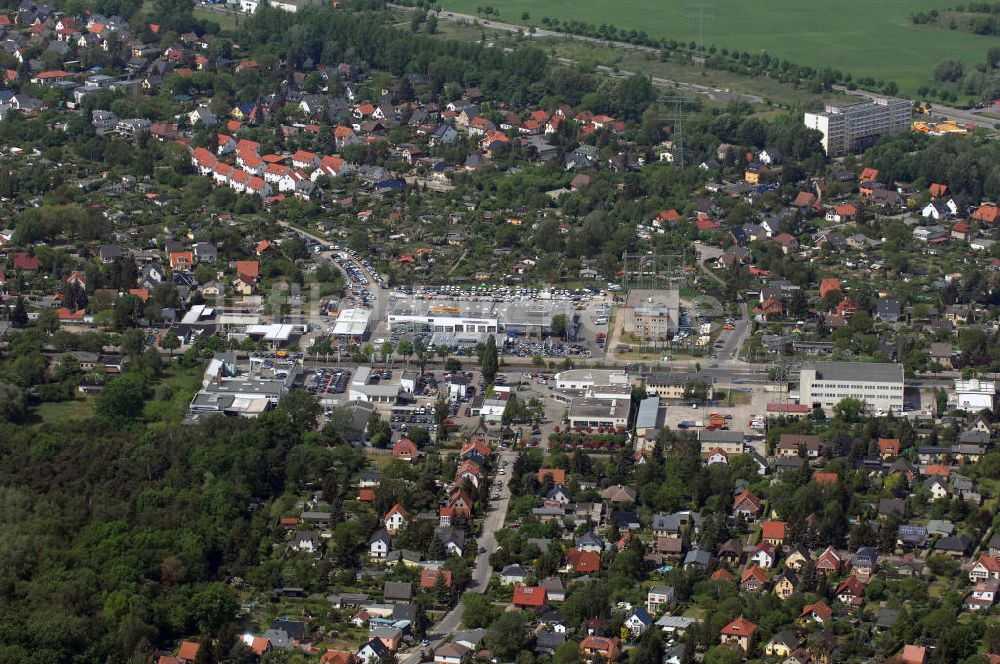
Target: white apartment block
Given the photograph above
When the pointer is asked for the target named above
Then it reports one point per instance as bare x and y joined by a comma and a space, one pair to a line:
850, 128
879, 385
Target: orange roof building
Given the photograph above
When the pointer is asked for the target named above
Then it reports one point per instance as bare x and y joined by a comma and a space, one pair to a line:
529, 596
738, 632
888, 446
338, 657
188, 651
773, 532
405, 449
825, 478
248, 271
937, 469
722, 574
65, 314
430, 577
584, 561
181, 260
829, 285
257, 644
608, 649
818, 611
987, 213
558, 475
913, 654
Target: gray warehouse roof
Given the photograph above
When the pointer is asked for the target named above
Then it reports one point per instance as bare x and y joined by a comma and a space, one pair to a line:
876, 372
649, 409
720, 436
610, 408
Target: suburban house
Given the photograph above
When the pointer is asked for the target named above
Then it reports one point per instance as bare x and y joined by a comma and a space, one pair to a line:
747, 505
396, 518
600, 648
659, 598
739, 632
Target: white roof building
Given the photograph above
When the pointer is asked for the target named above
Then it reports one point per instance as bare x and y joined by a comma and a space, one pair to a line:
352, 323
975, 394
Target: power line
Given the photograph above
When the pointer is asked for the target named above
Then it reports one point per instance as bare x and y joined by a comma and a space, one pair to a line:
700, 7
677, 117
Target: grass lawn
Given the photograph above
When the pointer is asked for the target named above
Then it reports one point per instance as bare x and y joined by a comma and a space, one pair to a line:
180, 386
226, 21
674, 70
938, 588
79, 409
739, 398
863, 38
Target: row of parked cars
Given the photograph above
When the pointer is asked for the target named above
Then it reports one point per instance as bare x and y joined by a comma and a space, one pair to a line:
544, 349
499, 293
356, 276
329, 381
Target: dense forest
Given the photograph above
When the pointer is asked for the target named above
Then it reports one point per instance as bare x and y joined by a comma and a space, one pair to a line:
117, 534
334, 37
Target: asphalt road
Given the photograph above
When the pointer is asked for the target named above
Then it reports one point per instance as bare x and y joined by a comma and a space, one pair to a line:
452, 621
734, 339
380, 295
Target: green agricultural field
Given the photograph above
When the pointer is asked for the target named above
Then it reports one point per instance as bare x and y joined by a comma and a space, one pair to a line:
863, 38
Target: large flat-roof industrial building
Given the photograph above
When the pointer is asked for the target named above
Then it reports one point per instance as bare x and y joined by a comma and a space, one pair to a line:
527, 317
353, 324
648, 421
856, 126
586, 379
225, 390
879, 385
975, 394
594, 413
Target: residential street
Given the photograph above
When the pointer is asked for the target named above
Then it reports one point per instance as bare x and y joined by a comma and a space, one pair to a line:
441, 631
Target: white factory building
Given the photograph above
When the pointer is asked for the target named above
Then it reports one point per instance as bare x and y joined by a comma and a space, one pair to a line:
530, 318
353, 324
879, 385
588, 379
594, 413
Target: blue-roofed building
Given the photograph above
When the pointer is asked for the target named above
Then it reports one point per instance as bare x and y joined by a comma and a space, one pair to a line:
648, 420
639, 621
392, 184
912, 536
